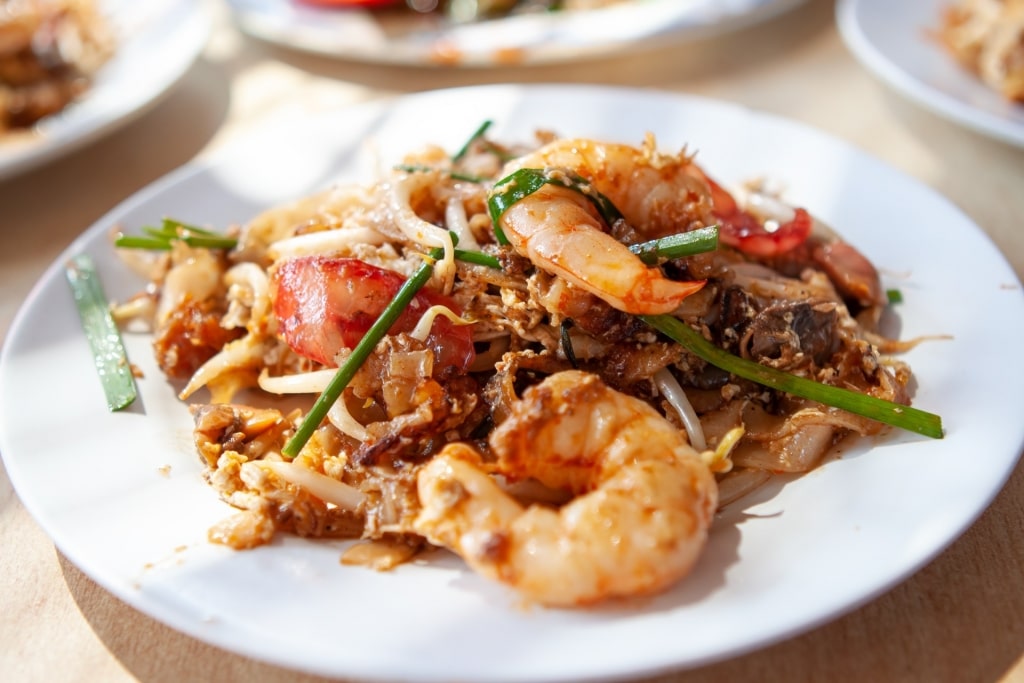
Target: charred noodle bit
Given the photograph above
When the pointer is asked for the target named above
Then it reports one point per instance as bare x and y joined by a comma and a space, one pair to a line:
570, 354
170, 230
101, 332
887, 412
359, 355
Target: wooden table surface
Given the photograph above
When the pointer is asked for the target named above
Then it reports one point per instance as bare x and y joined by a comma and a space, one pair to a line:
961, 618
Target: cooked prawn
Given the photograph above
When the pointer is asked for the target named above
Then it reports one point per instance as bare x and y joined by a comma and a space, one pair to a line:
559, 230
643, 497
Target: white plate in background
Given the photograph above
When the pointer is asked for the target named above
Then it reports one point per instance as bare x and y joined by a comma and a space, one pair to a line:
122, 496
406, 37
895, 41
158, 40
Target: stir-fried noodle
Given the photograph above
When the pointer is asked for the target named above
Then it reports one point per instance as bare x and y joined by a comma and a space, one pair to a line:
525, 407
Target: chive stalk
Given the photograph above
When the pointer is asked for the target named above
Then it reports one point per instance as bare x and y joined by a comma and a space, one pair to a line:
478, 258
455, 175
677, 246
887, 412
171, 230
101, 332
477, 134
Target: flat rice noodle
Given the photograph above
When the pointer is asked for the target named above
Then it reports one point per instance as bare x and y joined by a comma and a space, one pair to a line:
739, 483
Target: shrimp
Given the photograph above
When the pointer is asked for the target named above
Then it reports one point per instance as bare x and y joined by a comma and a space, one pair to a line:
643, 497
560, 231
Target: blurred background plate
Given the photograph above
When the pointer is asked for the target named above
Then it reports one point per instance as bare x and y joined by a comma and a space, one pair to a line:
896, 41
158, 40
402, 36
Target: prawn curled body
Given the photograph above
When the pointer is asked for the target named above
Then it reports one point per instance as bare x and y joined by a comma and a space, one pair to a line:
643, 498
561, 232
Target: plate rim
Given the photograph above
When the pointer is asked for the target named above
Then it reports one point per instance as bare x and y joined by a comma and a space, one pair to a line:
90, 236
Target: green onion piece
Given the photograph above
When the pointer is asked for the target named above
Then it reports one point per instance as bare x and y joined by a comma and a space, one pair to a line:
894, 296
478, 258
464, 150
209, 242
359, 355
420, 168
174, 225
523, 182
887, 412
136, 242
171, 230
677, 246
101, 332
157, 233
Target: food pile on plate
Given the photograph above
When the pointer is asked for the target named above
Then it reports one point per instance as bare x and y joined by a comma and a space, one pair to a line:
987, 36
555, 359
50, 51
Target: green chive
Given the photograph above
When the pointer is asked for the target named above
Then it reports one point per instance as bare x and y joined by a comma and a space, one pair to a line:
478, 258
136, 242
455, 175
887, 412
101, 332
677, 246
894, 296
171, 230
479, 133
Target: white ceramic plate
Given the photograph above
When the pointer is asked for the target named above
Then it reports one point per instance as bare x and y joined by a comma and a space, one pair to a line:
403, 37
895, 41
158, 41
790, 557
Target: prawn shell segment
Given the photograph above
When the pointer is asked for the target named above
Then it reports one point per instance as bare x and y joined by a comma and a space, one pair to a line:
324, 305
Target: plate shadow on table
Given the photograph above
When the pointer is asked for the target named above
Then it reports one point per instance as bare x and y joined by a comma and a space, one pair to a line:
648, 65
